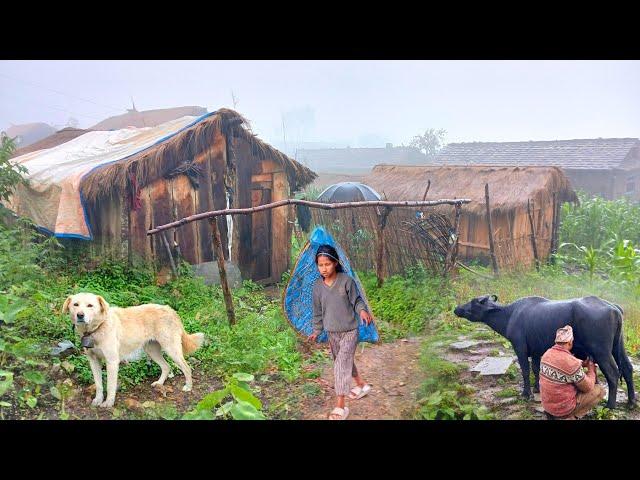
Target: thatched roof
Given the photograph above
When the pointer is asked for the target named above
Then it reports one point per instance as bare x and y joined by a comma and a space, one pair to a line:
158, 160
509, 187
58, 138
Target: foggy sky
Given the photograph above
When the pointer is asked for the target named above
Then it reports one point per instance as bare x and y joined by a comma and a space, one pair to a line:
360, 103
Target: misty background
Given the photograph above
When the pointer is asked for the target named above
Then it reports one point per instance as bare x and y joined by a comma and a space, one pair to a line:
323, 104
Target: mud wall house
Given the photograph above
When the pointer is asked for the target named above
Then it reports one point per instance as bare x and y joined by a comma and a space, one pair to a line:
215, 161
608, 167
510, 188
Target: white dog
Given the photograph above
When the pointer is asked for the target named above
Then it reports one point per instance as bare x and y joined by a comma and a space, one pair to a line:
115, 334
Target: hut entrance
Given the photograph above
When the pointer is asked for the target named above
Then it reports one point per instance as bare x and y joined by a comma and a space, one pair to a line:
261, 229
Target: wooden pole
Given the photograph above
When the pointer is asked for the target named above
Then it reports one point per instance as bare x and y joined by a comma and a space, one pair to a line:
171, 261
382, 223
295, 201
452, 253
533, 236
554, 225
492, 248
217, 244
424, 197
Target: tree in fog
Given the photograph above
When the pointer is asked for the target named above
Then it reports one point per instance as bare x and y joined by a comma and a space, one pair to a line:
430, 142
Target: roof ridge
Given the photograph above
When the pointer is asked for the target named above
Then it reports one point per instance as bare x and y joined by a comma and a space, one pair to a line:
545, 141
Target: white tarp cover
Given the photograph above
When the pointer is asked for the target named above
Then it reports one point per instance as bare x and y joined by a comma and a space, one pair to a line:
53, 198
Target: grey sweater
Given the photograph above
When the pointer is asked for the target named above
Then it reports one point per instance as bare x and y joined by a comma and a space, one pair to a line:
334, 306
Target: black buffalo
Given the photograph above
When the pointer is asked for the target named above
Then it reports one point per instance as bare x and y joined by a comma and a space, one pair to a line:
530, 324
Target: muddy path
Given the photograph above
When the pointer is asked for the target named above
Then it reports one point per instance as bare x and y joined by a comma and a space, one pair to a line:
392, 370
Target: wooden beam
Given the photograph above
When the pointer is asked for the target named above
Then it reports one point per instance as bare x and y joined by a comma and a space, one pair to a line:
226, 292
533, 236
294, 201
492, 247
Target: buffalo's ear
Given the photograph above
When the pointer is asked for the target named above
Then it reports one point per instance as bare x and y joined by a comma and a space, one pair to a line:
483, 299
65, 305
103, 304
494, 297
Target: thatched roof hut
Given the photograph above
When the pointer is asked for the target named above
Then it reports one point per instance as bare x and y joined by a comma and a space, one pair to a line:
510, 188
213, 162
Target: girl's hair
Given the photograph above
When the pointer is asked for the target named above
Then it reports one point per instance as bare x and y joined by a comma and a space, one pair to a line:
329, 251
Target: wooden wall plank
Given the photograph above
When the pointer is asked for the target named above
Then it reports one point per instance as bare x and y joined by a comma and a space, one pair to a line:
204, 204
161, 201
140, 221
243, 223
261, 246
218, 161
279, 227
185, 236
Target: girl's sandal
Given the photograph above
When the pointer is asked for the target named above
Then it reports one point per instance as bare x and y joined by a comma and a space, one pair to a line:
339, 413
358, 392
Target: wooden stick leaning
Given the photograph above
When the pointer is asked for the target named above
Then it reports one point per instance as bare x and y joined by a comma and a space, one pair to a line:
217, 244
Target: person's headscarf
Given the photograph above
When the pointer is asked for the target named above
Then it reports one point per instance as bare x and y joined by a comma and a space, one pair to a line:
564, 334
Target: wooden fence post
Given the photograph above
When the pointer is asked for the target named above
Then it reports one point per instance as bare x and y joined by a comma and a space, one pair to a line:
492, 248
552, 247
382, 223
533, 237
217, 243
452, 254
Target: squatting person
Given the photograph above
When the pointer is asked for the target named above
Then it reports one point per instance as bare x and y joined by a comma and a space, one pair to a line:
566, 392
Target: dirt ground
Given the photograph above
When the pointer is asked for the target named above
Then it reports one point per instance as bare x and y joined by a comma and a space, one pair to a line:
391, 369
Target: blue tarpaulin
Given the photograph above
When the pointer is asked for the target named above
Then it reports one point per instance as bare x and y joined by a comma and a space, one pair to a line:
298, 298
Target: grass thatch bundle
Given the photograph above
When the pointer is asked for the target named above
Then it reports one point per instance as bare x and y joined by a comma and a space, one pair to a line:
158, 160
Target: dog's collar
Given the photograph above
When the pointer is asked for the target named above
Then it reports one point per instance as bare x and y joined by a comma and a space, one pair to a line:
87, 335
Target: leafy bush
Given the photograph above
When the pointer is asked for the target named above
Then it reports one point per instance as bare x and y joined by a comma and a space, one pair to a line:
243, 404
407, 303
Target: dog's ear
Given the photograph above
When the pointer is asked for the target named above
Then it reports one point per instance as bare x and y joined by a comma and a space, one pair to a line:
65, 305
104, 306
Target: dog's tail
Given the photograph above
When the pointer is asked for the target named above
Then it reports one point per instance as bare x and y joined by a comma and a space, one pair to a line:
191, 343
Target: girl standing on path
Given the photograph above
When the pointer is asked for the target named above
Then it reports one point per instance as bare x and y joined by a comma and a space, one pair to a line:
335, 300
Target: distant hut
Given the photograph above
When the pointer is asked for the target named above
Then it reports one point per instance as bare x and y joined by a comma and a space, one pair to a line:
215, 161
510, 188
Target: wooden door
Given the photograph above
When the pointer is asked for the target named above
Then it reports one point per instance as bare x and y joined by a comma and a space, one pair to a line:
261, 234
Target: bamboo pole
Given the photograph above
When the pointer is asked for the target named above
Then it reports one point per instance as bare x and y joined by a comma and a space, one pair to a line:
533, 236
217, 244
295, 201
492, 247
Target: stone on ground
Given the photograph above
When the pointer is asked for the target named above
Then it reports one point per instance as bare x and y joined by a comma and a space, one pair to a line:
493, 365
209, 270
463, 345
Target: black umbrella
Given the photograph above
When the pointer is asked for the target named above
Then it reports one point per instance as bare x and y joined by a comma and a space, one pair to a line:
348, 192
